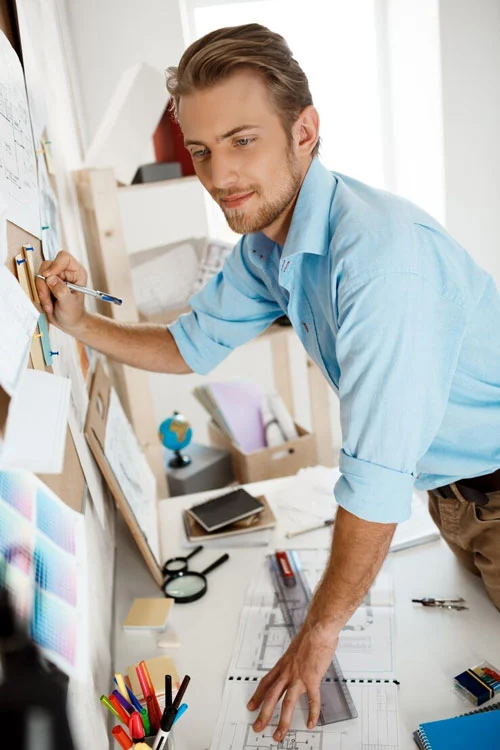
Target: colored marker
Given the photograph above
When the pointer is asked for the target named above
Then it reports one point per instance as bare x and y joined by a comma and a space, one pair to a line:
182, 710
148, 689
105, 702
135, 726
122, 714
120, 684
134, 701
153, 721
123, 702
168, 690
122, 738
145, 721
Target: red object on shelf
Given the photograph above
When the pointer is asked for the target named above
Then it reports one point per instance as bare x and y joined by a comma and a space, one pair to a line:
168, 143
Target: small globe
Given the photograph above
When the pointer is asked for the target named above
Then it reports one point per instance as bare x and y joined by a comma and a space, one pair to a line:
175, 433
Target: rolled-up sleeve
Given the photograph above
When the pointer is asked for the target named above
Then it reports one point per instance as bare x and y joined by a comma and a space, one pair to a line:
233, 308
397, 346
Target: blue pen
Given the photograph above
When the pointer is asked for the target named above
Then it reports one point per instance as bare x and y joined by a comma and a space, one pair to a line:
93, 292
182, 710
133, 699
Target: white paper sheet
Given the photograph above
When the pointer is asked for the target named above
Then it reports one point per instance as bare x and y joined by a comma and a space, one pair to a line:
309, 500
19, 318
3, 229
36, 427
132, 471
366, 643
49, 219
376, 727
67, 365
18, 174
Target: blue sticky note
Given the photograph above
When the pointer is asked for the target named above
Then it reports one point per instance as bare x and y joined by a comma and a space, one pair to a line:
43, 327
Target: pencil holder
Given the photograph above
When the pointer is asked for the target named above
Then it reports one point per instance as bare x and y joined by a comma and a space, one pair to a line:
170, 742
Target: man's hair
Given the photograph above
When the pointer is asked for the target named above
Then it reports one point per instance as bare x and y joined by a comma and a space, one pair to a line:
219, 54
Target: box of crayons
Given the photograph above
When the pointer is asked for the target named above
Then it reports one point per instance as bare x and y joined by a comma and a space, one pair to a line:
480, 683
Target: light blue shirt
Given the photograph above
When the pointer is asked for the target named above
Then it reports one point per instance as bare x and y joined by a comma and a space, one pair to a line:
402, 322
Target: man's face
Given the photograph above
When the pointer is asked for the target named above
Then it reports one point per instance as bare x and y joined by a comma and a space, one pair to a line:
241, 152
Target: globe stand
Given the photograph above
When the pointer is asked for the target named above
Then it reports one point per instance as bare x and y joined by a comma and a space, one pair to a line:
179, 461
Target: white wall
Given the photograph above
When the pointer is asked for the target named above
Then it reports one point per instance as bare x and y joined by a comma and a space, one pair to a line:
110, 35
470, 56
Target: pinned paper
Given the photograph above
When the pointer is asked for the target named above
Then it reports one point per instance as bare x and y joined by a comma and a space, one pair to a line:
35, 436
19, 318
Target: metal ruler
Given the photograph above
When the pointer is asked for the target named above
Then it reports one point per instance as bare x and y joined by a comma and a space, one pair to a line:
294, 595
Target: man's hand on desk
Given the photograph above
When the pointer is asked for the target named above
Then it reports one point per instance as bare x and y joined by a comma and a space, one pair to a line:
358, 550
300, 670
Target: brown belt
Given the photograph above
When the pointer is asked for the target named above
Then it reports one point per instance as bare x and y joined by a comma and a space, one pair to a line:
473, 490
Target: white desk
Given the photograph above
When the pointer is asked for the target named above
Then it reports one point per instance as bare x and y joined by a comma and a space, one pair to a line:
431, 645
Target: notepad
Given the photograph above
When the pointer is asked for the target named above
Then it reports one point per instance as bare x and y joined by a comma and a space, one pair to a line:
151, 614
475, 730
157, 668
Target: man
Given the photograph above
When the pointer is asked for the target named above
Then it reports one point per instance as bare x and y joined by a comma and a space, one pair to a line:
403, 324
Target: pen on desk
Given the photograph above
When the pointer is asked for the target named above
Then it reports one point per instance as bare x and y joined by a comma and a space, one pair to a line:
122, 738
291, 534
105, 702
85, 290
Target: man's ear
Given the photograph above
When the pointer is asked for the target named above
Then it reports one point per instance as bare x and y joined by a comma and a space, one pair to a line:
306, 130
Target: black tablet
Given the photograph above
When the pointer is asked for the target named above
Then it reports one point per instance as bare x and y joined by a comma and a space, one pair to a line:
221, 511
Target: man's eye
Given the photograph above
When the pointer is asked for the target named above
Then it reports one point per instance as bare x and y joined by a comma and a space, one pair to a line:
200, 153
244, 141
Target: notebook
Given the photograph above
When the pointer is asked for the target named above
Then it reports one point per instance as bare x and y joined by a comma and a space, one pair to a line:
149, 614
476, 729
264, 520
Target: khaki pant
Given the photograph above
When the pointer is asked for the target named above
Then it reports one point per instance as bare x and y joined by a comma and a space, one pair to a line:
473, 533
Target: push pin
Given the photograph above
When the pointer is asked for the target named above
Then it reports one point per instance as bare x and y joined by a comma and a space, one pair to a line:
54, 354
29, 247
46, 226
20, 260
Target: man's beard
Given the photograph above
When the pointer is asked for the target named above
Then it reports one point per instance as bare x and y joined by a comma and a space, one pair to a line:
270, 211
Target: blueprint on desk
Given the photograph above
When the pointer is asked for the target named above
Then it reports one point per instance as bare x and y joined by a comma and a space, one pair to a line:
365, 652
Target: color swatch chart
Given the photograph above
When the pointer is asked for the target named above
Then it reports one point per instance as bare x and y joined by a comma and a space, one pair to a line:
43, 545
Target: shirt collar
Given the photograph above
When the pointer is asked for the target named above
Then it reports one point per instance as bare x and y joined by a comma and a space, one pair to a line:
310, 226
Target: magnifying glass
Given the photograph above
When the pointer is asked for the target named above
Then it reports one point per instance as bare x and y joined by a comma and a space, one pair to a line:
176, 565
190, 586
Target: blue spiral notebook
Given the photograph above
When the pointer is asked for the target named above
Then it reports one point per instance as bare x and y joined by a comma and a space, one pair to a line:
473, 730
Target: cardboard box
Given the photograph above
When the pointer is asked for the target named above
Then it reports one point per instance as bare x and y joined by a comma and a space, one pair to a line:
268, 463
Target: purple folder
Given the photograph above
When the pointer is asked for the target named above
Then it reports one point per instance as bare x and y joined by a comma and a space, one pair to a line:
239, 401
